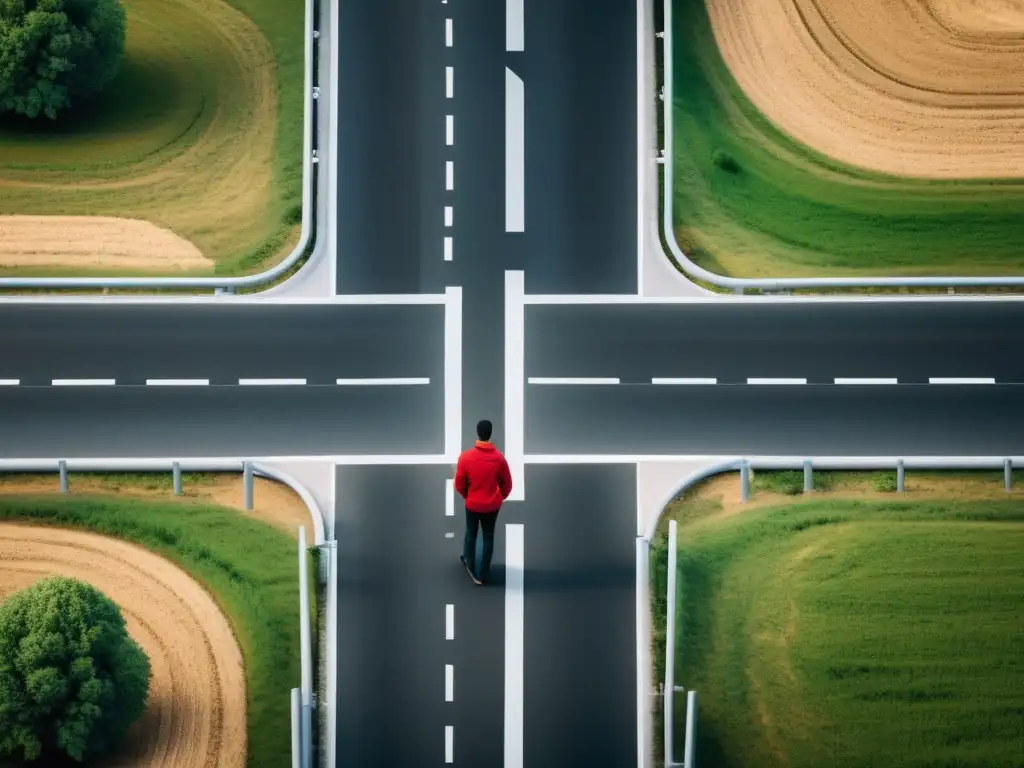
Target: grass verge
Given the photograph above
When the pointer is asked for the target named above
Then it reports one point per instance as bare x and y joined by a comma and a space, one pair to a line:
201, 133
844, 630
752, 202
249, 568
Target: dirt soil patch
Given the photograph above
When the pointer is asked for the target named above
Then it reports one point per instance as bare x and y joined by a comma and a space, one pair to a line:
196, 715
919, 88
95, 242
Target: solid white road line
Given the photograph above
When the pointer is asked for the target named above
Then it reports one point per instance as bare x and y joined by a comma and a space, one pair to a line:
448, 243
515, 153
398, 382
514, 560
449, 175
449, 682
9, 382
840, 380
449, 622
449, 82
177, 382
449, 130
449, 216
449, 743
941, 380
449, 498
515, 374
514, 26
581, 380
449, 39
271, 382
776, 381
684, 381
453, 373
83, 382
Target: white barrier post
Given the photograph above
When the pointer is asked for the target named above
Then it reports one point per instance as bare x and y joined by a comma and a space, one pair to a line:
744, 482
296, 728
690, 750
176, 472
899, 476
670, 646
306, 655
63, 475
808, 476
247, 485
1008, 475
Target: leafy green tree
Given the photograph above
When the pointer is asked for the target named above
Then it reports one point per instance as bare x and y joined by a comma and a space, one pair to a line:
52, 51
71, 678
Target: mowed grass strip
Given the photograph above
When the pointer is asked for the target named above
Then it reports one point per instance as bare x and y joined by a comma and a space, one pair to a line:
250, 569
846, 632
751, 202
201, 133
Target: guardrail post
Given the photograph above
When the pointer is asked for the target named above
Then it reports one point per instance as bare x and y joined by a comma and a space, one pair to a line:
63, 465
306, 654
1008, 474
296, 732
808, 476
176, 470
690, 750
247, 484
744, 481
899, 475
670, 647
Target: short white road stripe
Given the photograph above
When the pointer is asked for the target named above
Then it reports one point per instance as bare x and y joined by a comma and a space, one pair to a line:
840, 380
684, 381
177, 382
9, 382
515, 152
449, 682
514, 563
83, 382
776, 381
514, 26
449, 130
449, 743
449, 498
449, 216
449, 622
571, 381
449, 175
448, 33
382, 382
954, 380
270, 382
449, 82
448, 245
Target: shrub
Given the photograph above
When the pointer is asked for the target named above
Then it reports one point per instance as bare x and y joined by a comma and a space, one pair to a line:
884, 482
71, 678
54, 50
725, 161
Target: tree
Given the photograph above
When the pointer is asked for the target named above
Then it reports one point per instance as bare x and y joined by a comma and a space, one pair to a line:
52, 51
71, 678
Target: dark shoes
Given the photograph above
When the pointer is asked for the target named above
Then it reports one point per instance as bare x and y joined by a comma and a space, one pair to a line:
470, 571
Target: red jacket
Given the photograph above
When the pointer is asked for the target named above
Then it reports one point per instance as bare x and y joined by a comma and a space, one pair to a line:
483, 478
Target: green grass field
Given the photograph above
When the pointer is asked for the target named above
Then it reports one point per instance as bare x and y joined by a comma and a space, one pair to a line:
250, 569
201, 133
772, 207
844, 632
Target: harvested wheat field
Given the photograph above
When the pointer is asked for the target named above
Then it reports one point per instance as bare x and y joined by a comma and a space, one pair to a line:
918, 88
197, 706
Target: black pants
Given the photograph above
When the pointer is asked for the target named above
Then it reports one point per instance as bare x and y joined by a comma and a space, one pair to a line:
487, 521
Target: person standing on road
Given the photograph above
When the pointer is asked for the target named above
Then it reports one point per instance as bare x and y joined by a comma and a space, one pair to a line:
484, 480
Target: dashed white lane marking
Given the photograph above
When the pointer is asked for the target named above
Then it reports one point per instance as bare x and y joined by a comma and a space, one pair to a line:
271, 382
449, 743
514, 562
177, 382
449, 216
83, 382
449, 682
776, 381
515, 377
448, 33
514, 26
449, 535
449, 175
942, 380
515, 153
9, 382
449, 498
383, 382
570, 381
841, 380
449, 82
448, 245
449, 130
684, 381
449, 622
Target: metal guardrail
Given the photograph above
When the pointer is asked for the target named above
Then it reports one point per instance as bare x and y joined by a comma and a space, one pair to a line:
228, 284
738, 284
